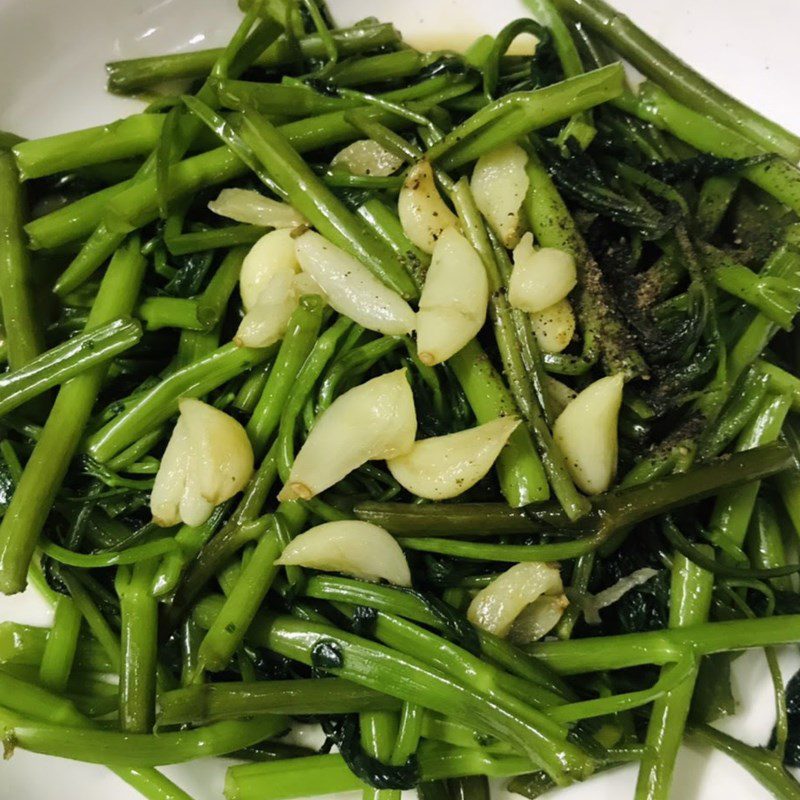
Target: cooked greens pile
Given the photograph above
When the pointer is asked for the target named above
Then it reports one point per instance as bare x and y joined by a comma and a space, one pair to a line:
442, 402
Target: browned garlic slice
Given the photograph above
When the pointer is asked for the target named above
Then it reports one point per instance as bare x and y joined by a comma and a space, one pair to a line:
423, 213
586, 432
207, 460
355, 548
375, 420
246, 205
367, 157
351, 288
540, 278
446, 466
499, 185
554, 327
497, 606
452, 308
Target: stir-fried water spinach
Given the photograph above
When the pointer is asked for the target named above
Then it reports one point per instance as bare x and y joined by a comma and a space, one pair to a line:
444, 402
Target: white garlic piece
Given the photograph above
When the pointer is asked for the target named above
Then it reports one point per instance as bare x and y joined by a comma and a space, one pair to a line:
446, 466
559, 394
540, 278
208, 459
248, 206
498, 605
375, 420
499, 185
355, 548
586, 432
267, 320
554, 327
351, 289
272, 254
452, 307
423, 213
367, 157
538, 619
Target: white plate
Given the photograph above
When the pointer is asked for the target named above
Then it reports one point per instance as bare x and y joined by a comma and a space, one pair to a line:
52, 80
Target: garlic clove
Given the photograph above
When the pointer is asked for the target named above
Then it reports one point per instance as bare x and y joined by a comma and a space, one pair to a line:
208, 459
554, 327
540, 278
375, 420
265, 324
499, 184
367, 157
452, 307
497, 606
423, 213
538, 619
586, 432
446, 466
559, 393
355, 548
246, 205
273, 253
351, 289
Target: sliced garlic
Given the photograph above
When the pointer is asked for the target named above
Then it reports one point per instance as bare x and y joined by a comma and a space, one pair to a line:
497, 605
559, 393
273, 253
355, 548
540, 278
446, 466
208, 459
594, 604
452, 308
351, 288
367, 157
499, 185
375, 420
423, 212
538, 619
586, 432
554, 327
246, 205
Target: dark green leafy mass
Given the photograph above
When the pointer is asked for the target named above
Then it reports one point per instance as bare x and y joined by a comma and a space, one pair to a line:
119, 292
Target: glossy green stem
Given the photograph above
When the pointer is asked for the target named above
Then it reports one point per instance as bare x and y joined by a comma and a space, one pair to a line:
148, 411
325, 774
202, 704
520, 113
690, 601
298, 342
139, 647
678, 78
132, 75
309, 195
65, 361
763, 765
62, 645
138, 750
22, 324
36, 703
779, 178
58, 443
125, 138
578, 656
519, 469
253, 583
408, 678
